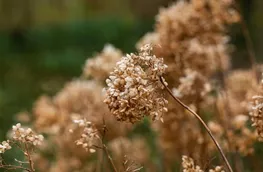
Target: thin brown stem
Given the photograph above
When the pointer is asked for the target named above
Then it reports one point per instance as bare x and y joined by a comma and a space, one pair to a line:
202, 122
109, 158
31, 163
14, 167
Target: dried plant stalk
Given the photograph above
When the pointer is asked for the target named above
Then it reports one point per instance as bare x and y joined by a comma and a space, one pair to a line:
202, 122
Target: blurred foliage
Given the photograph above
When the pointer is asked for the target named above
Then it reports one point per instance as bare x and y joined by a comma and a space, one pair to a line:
41, 60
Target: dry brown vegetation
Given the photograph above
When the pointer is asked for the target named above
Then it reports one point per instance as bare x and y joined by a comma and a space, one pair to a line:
88, 124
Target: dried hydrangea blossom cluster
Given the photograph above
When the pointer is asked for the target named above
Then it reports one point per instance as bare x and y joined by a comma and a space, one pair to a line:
24, 135
134, 87
26, 140
256, 113
191, 34
103, 63
5, 146
233, 109
191, 85
189, 166
79, 99
192, 38
89, 136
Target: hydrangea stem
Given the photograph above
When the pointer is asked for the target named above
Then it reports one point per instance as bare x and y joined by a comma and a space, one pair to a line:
202, 122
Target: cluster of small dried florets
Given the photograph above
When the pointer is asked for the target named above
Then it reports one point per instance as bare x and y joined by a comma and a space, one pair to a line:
134, 87
103, 63
257, 112
4, 146
89, 136
191, 37
25, 139
191, 34
217, 169
189, 166
24, 135
191, 85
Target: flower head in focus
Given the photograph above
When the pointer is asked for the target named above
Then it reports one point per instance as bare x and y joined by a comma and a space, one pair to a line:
134, 88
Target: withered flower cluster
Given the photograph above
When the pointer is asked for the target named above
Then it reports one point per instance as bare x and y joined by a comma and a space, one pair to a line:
24, 135
4, 146
190, 48
189, 166
256, 113
103, 63
134, 88
89, 135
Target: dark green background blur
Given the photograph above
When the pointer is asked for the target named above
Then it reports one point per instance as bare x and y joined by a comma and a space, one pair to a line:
44, 43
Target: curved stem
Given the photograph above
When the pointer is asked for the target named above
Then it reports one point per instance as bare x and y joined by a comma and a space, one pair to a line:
109, 157
202, 122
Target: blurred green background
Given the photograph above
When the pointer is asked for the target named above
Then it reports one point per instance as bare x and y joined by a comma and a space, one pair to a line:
44, 43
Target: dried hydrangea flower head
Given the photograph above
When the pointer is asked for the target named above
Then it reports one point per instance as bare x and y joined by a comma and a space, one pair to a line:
134, 88
189, 165
257, 112
26, 135
103, 63
193, 84
46, 115
89, 136
192, 34
4, 146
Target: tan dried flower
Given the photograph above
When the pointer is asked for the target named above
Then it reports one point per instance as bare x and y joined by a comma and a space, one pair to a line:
133, 87
189, 165
46, 115
89, 136
4, 146
100, 66
257, 115
26, 135
217, 169
192, 85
